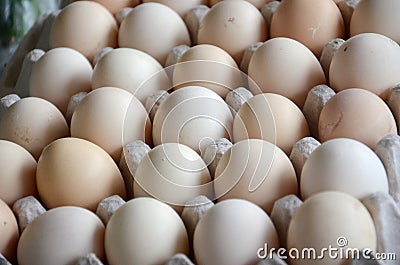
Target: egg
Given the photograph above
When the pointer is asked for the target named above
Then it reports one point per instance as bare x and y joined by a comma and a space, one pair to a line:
111, 117
368, 60
85, 26
192, 116
18, 173
233, 26
58, 75
75, 172
376, 16
257, 171
9, 233
144, 231
273, 118
343, 165
256, 3
231, 232
172, 173
132, 70
207, 66
332, 220
181, 7
276, 60
33, 123
116, 5
312, 22
61, 236
357, 114
140, 30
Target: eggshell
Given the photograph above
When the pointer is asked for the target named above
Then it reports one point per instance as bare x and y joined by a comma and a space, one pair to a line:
231, 232
75, 172
278, 59
181, 7
311, 22
9, 233
132, 70
58, 75
115, 6
378, 17
18, 173
233, 26
192, 116
85, 26
370, 61
61, 236
257, 171
111, 117
273, 118
33, 123
256, 3
144, 231
140, 30
357, 114
343, 165
330, 219
174, 174
207, 66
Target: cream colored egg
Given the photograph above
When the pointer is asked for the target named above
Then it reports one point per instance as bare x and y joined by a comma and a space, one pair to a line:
172, 173
231, 232
311, 22
256, 3
330, 220
33, 123
9, 233
370, 61
207, 66
233, 26
75, 172
273, 118
181, 7
115, 6
376, 16
155, 29
145, 231
60, 74
192, 116
357, 114
343, 165
85, 26
61, 236
18, 173
111, 117
257, 171
132, 70
285, 67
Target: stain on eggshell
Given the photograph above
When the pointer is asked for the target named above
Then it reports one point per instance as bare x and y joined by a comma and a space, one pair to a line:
9, 233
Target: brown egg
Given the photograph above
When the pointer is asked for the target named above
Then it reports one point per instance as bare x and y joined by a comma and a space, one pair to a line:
257, 171
181, 7
33, 123
233, 26
311, 22
155, 29
285, 67
256, 3
75, 172
85, 26
115, 6
60, 74
9, 233
208, 66
357, 114
273, 118
18, 173
111, 117
370, 61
